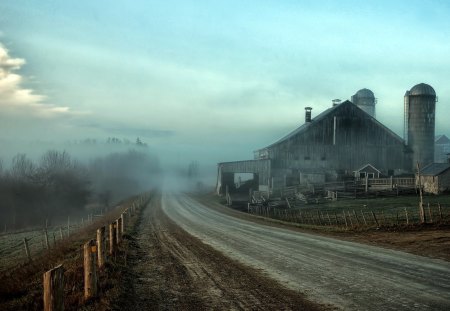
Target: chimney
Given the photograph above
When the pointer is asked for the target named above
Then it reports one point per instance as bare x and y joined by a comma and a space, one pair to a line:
308, 114
336, 102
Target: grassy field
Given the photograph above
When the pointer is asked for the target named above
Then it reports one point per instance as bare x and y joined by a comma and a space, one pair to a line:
12, 246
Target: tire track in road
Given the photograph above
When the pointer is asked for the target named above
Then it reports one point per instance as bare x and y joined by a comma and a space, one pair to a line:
346, 274
172, 270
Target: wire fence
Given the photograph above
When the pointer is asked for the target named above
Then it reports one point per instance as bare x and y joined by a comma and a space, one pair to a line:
355, 218
18, 247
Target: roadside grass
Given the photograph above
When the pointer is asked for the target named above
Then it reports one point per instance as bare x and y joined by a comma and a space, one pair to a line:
21, 287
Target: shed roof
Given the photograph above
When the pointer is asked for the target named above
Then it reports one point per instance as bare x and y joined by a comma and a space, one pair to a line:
441, 140
435, 169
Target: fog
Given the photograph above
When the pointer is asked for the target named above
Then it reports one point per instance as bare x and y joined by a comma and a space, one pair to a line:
196, 83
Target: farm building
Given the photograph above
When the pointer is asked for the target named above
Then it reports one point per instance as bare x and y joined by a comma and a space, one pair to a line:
367, 171
435, 178
340, 142
442, 149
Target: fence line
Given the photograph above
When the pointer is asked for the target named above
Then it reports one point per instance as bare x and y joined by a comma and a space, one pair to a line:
354, 218
93, 250
37, 243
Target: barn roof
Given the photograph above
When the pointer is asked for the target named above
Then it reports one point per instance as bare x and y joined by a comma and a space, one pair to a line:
303, 128
441, 140
367, 166
435, 169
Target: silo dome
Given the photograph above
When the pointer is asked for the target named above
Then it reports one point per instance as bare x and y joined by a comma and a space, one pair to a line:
365, 100
422, 89
365, 93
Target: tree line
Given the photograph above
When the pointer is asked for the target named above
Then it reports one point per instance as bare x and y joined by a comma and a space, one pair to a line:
58, 185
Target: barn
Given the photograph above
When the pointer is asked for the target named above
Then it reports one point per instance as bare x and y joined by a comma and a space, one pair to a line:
342, 141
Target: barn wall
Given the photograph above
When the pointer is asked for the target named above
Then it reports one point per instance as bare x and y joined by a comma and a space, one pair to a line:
444, 181
359, 140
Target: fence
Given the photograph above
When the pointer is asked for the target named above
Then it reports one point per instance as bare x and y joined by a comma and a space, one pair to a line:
355, 218
19, 247
95, 255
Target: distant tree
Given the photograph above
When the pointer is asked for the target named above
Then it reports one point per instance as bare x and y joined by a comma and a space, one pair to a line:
22, 168
140, 143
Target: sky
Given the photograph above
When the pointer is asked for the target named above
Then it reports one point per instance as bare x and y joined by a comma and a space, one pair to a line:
212, 80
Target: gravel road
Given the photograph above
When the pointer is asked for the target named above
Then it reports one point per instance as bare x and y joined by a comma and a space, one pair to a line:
345, 274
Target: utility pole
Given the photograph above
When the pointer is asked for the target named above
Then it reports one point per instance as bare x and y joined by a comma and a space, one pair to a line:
421, 211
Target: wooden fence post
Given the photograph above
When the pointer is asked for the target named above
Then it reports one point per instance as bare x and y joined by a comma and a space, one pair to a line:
112, 239
47, 244
350, 218
90, 271
27, 249
61, 233
68, 226
429, 213
119, 230
123, 220
54, 289
364, 218
440, 211
101, 244
406, 215
375, 218
356, 217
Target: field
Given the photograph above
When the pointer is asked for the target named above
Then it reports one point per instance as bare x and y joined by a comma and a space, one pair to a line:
12, 245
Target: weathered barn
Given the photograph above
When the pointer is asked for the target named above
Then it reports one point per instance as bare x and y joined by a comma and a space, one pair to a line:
332, 145
339, 142
435, 178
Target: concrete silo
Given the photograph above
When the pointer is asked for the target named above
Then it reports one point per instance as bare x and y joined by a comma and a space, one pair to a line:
420, 107
365, 100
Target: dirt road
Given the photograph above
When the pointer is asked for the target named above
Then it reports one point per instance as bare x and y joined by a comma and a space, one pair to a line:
169, 269
348, 275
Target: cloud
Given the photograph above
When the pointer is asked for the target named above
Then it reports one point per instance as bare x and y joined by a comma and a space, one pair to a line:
19, 101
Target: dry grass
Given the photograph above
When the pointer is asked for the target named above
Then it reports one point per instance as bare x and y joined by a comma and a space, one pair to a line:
21, 287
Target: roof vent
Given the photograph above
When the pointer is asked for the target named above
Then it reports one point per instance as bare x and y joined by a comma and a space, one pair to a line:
308, 114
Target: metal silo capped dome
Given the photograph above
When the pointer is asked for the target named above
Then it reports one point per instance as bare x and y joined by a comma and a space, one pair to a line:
422, 89
365, 93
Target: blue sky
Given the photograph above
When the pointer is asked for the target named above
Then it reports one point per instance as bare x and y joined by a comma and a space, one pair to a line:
211, 78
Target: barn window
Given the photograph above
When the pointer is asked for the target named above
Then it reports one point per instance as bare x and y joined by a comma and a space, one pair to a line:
307, 158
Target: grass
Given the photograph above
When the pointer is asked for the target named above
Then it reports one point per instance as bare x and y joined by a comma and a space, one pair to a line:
21, 287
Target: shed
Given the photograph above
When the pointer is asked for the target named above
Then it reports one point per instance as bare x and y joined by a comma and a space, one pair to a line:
367, 170
435, 178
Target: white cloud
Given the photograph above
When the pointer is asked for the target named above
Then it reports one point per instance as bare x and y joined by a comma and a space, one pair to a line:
17, 100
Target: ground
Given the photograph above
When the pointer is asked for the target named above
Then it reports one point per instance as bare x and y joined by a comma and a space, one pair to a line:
172, 270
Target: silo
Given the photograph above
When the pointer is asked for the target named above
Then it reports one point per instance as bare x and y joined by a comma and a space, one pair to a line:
365, 100
420, 107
